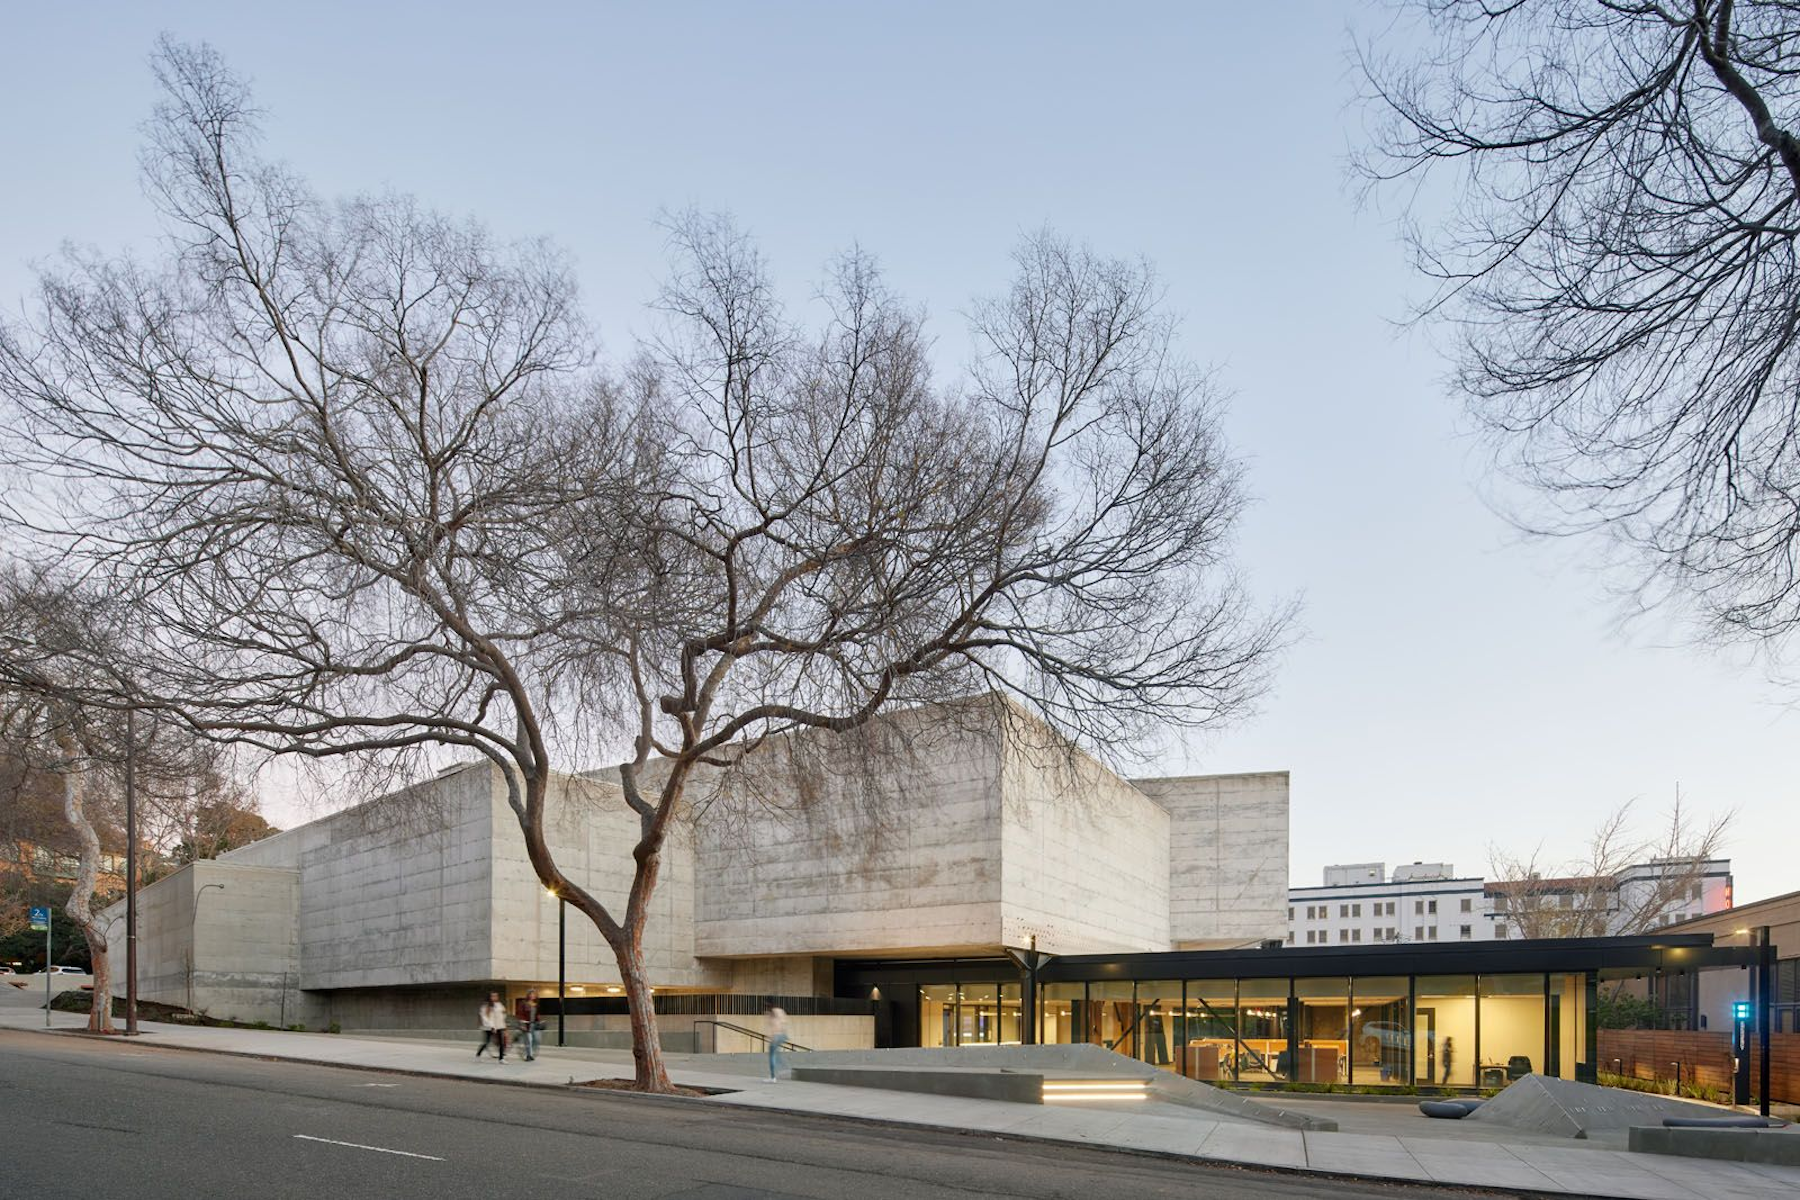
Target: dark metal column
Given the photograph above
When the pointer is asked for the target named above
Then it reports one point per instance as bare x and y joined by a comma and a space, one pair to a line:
562, 961
131, 839
1765, 1003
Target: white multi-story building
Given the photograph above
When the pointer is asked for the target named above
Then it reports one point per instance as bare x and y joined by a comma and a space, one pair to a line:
1361, 902
1428, 902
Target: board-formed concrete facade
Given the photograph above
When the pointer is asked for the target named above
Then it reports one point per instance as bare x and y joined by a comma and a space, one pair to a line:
964, 840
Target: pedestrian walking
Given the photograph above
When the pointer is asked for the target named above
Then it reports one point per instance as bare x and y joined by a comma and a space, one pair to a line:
493, 1026
531, 1028
775, 1032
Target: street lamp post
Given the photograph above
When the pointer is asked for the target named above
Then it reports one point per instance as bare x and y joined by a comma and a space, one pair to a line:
131, 1024
193, 921
562, 966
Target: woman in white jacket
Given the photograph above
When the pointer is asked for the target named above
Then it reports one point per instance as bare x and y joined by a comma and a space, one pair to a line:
493, 1026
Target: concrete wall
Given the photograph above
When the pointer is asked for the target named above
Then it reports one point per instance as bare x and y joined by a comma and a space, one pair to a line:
1084, 854
591, 832
398, 892
1228, 856
824, 857
220, 938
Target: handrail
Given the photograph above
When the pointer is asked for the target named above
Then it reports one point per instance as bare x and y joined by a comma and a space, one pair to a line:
1236, 1035
760, 1037
1143, 1010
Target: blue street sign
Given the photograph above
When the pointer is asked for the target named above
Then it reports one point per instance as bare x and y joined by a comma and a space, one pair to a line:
40, 917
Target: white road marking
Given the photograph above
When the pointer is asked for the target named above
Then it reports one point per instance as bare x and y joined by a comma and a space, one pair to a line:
358, 1146
377, 1085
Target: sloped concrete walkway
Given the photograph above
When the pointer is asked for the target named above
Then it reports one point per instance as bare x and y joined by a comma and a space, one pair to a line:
1514, 1164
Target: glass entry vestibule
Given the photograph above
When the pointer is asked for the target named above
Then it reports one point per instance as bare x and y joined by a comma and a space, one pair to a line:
1383, 1030
970, 1014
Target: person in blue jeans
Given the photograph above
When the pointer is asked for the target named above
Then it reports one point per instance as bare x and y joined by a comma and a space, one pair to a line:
775, 1022
531, 1028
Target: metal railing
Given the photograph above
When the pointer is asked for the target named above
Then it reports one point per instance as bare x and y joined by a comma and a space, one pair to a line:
761, 1038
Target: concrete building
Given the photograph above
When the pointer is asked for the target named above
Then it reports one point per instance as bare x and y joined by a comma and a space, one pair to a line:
1429, 902
971, 840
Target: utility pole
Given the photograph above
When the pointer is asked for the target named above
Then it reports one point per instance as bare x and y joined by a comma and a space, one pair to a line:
131, 839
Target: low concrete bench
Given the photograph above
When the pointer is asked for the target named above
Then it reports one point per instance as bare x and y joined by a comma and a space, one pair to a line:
1778, 1146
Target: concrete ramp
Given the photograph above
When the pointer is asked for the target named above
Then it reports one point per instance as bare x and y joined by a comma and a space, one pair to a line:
1564, 1108
1065, 1062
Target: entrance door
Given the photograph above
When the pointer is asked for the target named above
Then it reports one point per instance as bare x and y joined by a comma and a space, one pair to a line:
1425, 1045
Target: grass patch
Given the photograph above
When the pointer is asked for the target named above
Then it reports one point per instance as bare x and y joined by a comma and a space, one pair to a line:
1666, 1087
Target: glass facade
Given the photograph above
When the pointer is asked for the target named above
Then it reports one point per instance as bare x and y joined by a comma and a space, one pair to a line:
1380, 1034
1512, 1028
1209, 1032
1263, 1054
1060, 1008
1461, 1031
1444, 1031
1161, 1019
970, 1014
1322, 1009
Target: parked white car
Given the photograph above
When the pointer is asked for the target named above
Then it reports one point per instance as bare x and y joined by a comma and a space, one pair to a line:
67, 971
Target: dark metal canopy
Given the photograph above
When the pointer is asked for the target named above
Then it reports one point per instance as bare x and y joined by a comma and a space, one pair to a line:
1611, 955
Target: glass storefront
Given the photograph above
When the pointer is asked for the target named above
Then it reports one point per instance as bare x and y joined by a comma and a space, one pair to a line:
1322, 1007
1444, 1030
1208, 1037
1380, 1031
937, 1015
1568, 1027
1113, 1018
1472, 1031
1059, 1013
1262, 1049
970, 1014
1512, 1028
1160, 1020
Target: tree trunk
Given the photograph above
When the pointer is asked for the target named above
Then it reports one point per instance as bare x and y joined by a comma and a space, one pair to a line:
81, 899
646, 1044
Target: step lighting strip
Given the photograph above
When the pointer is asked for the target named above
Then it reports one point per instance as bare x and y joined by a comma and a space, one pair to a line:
1095, 1090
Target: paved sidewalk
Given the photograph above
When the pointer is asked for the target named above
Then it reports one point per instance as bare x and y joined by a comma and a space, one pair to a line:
1433, 1155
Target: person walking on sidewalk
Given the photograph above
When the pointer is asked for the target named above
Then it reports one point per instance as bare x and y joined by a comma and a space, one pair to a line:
493, 1026
775, 1021
530, 1027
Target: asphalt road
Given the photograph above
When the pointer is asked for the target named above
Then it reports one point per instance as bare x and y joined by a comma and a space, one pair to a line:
91, 1119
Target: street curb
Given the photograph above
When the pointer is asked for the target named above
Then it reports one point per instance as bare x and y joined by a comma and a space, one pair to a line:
875, 1122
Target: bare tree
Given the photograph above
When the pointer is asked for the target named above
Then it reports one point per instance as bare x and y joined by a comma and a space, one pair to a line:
1624, 883
828, 534
46, 661
1618, 259
350, 465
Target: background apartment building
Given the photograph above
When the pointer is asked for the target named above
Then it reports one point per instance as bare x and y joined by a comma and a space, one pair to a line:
1428, 902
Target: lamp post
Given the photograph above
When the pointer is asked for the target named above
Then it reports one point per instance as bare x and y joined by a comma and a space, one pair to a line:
131, 1024
562, 959
562, 973
193, 921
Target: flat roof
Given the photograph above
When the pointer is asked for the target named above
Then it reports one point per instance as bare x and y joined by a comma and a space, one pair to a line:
1615, 957
1618, 955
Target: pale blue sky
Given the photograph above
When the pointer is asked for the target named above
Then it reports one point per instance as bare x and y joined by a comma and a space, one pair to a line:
1456, 686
